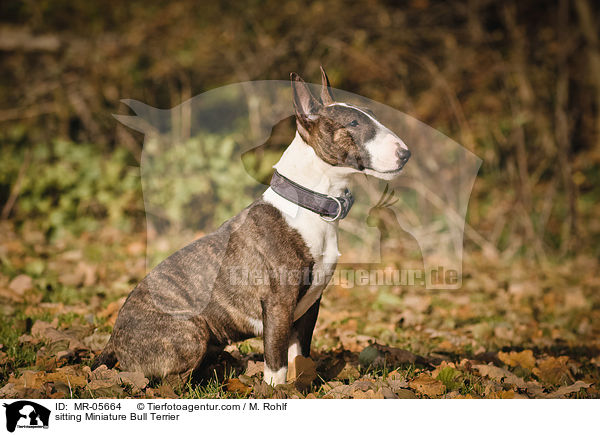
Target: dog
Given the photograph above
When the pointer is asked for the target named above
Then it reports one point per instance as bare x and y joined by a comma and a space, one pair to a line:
292, 229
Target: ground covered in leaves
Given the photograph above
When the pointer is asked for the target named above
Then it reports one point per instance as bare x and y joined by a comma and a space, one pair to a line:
512, 331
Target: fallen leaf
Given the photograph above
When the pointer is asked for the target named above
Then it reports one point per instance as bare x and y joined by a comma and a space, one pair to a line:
166, 391
369, 394
502, 395
553, 370
363, 385
237, 387
72, 380
524, 359
9, 391
29, 379
566, 390
425, 384
500, 375
439, 368
254, 368
97, 341
348, 372
340, 392
136, 380
535, 388
262, 390
49, 333
302, 371
388, 393
397, 384
20, 284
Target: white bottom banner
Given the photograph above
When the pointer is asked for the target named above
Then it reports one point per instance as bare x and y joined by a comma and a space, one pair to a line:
297, 416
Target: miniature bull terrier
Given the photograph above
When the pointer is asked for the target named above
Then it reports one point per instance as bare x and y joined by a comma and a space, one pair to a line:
292, 230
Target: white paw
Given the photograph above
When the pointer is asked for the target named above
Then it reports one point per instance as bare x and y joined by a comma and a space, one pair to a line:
275, 377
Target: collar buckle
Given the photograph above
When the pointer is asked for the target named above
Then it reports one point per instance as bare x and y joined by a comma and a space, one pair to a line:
339, 213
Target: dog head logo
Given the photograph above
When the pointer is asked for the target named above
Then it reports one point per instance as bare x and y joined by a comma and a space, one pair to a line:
26, 414
206, 159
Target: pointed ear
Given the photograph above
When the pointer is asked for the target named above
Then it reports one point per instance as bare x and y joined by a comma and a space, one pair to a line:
306, 105
326, 94
304, 101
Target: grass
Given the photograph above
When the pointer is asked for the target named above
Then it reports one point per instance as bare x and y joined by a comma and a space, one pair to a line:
503, 306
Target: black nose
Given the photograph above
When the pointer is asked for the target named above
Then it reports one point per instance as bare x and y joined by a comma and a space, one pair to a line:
403, 155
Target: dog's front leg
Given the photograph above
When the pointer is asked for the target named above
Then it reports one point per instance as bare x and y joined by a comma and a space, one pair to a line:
302, 332
277, 325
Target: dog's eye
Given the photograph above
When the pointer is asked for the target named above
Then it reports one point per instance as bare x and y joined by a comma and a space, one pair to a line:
353, 123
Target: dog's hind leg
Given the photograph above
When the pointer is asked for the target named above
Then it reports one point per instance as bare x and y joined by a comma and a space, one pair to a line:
163, 347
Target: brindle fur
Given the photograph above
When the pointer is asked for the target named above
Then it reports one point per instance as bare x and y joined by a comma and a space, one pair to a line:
158, 343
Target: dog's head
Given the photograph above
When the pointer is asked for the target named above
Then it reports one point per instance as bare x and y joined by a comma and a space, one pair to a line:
346, 136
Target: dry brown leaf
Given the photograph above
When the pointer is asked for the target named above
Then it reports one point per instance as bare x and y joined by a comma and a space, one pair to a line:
524, 359
369, 394
71, 380
500, 375
136, 380
302, 371
104, 373
503, 395
166, 391
466, 396
566, 390
425, 384
535, 388
9, 391
553, 370
48, 332
236, 386
340, 392
29, 379
348, 372
397, 384
352, 342
20, 284
254, 368
262, 390
97, 341
363, 385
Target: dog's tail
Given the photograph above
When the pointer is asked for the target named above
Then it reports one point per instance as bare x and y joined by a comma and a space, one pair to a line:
107, 357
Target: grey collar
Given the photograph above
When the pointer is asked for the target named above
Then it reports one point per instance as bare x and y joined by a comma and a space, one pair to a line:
330, 208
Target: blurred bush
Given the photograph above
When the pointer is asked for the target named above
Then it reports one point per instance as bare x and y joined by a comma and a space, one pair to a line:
72, 187
516, 82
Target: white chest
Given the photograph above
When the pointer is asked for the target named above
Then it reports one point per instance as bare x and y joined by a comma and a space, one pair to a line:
326, 255
322, 241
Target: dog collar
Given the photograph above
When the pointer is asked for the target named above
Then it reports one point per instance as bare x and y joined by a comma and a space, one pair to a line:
330, 208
